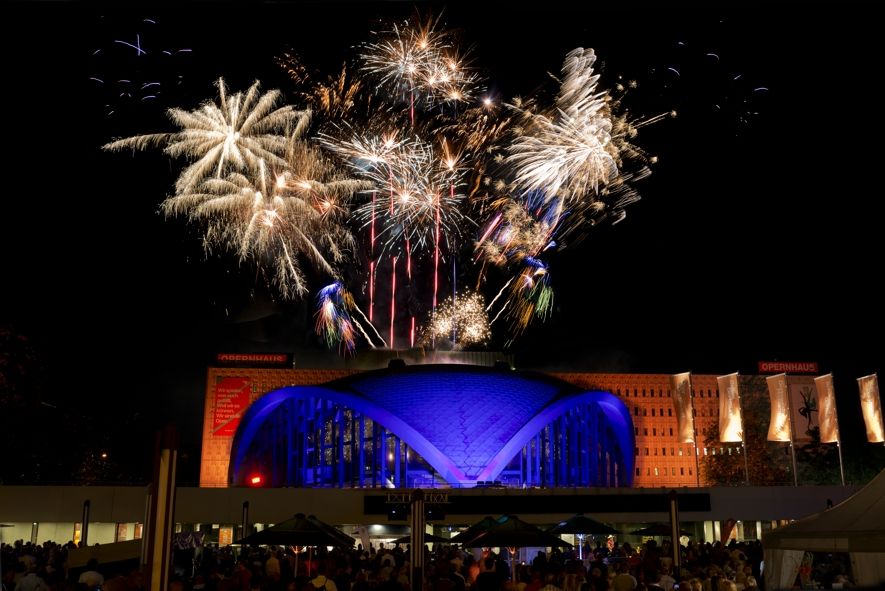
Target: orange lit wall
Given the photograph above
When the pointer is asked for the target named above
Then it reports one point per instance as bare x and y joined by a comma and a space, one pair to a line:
660, 461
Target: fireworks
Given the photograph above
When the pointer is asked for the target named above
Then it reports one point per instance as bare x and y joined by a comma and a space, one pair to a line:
569, 154
233, 135
271, 219
461, 321
414, 61
259, 187
415, 188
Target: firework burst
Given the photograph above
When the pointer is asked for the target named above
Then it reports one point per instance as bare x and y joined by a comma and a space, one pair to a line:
416, 62
232, 135
415, 189
460, 321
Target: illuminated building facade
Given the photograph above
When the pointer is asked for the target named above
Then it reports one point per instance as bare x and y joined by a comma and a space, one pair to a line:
315, 427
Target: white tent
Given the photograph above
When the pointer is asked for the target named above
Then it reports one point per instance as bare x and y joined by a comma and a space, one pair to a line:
855, 526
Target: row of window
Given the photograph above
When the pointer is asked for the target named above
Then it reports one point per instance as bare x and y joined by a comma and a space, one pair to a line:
708, 451
651, 393
663, 471
654, 431
703, 412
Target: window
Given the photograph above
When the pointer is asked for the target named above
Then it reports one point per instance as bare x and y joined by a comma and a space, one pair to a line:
656, 471
646, 451
682, 471
672, 451
644, 412
689, 471
637, 472
652, 412
654, 431
663, 451
669, 412
671, 431
645, 431
637, 451
636, 430
635, 411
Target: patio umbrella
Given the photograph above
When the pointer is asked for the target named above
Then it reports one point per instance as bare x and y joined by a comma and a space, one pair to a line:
580, 525
474, 530
301, 530
428, 538
512, 532
658, 529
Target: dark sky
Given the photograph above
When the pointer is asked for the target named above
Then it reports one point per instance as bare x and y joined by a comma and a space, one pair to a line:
757, 238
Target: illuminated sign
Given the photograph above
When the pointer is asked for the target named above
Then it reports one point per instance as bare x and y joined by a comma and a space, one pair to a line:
282, 359
788, 367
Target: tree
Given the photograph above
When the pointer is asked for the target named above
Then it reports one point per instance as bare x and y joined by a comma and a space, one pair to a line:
768, 462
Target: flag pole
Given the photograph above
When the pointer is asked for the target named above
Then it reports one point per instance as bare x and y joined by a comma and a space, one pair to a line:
694, 431
841, 467
792, 434
743, 432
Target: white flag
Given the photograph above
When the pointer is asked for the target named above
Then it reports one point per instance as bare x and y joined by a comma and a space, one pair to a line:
731, 428
680, 391
871, 407
826, 400
779, 428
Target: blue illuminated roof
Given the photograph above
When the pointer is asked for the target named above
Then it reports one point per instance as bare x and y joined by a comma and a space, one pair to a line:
467, 422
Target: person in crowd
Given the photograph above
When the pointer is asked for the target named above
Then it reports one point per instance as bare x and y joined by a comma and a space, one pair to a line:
91, 577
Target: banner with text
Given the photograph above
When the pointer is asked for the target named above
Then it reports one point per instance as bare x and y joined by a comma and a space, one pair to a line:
779, 423
731, 428
871, 407
680, 389
231, 401
826, 401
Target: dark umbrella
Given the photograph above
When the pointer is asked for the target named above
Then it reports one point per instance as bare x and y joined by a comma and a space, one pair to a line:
512, 532
428, 538
580, 524
301, 530
474, 530
658, 529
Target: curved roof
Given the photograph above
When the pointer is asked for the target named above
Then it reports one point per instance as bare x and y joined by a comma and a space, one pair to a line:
466, 421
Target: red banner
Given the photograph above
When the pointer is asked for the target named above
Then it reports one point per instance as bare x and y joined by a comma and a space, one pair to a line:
231, 400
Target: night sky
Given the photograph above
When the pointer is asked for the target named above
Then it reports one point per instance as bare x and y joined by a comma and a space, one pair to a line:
757, 237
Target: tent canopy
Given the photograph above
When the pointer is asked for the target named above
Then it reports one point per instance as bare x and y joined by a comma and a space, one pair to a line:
854, 525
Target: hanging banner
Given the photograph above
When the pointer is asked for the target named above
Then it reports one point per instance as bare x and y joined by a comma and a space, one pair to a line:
826, 401
779, 423
680, 389
804, 408
871, 407
731, 428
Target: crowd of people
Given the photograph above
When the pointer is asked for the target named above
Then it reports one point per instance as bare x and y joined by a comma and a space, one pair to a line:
650, 567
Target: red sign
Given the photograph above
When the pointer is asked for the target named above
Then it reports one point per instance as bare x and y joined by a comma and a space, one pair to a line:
231, 400
788, 367
254, 358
